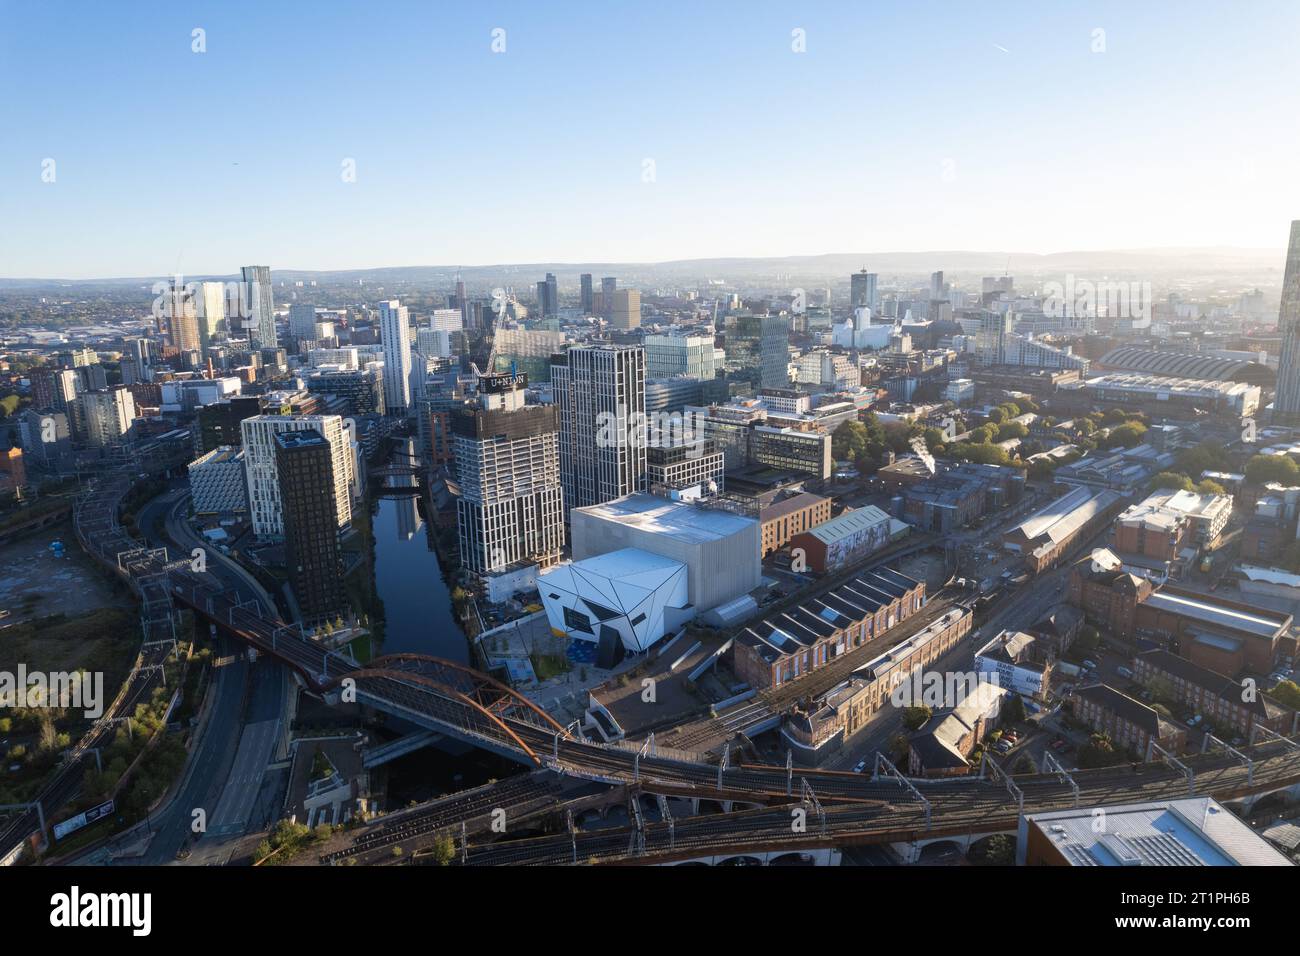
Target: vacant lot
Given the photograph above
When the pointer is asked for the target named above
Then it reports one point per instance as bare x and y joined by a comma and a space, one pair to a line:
105, 640
35, 583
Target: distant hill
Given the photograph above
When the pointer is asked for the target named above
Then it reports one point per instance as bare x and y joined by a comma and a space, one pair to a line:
835, 264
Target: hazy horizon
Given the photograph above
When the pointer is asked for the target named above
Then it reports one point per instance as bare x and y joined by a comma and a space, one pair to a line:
941, 259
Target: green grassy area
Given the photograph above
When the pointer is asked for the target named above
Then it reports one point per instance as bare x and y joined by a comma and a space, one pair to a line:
362, 649
546, 666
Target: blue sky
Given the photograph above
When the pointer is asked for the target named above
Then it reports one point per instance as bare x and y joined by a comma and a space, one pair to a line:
910, 126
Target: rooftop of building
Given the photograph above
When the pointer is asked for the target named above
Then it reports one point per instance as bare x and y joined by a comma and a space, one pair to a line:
1126, 708
1009, 647
1218, 684
793, 629
1064, 516
1138, 381
627, 564
938, 741
848, 523
889, 660
671, 519
222, 454
1194, 505
1191, 831
804, 499
303, 438
1193, 365
1223, 614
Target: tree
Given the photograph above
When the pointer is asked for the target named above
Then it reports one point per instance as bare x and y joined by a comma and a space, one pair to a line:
1087, 641
1041, 470
444, 849
1287, 693
849, 440
1207, 456
997, 416
1099, 751
1172, 480
1010, 409
996, 850
1263, 469
1013, 709
984, 454
1208, 487
1010, 430
899, 746
1128, 435
1086, 426
914, 717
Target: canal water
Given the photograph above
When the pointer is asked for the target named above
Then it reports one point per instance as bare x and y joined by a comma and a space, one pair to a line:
419, 619
409, 580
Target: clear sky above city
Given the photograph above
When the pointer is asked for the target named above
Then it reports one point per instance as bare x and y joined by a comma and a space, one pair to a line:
634, 131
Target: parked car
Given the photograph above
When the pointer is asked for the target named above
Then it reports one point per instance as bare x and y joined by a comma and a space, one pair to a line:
1124, 672
1090, 665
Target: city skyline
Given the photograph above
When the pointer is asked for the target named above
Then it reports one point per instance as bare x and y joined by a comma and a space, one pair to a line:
805, 143
441, 436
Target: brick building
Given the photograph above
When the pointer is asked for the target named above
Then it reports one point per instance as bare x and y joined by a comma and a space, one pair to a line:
783, 520
790, 643
1107, 594
942, 746
848, 537
1222, 701
819, 730
1129, 723
1224, 636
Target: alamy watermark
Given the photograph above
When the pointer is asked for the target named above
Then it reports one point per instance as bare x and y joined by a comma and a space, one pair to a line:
634, 429
935, 689
77, 690
1082, 297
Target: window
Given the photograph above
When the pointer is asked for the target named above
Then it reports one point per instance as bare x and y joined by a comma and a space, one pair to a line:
602, 613
577, 621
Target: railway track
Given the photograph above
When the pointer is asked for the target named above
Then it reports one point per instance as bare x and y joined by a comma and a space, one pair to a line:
451, 811
980, 806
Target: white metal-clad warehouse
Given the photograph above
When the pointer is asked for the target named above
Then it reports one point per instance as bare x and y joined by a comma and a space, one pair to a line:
720, 549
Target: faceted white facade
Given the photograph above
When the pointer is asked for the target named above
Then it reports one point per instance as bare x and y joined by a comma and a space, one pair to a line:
632, 591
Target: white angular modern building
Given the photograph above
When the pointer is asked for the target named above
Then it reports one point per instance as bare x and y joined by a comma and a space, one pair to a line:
719, 549
631, 593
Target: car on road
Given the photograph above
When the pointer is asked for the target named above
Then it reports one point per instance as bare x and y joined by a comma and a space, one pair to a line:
860, 766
